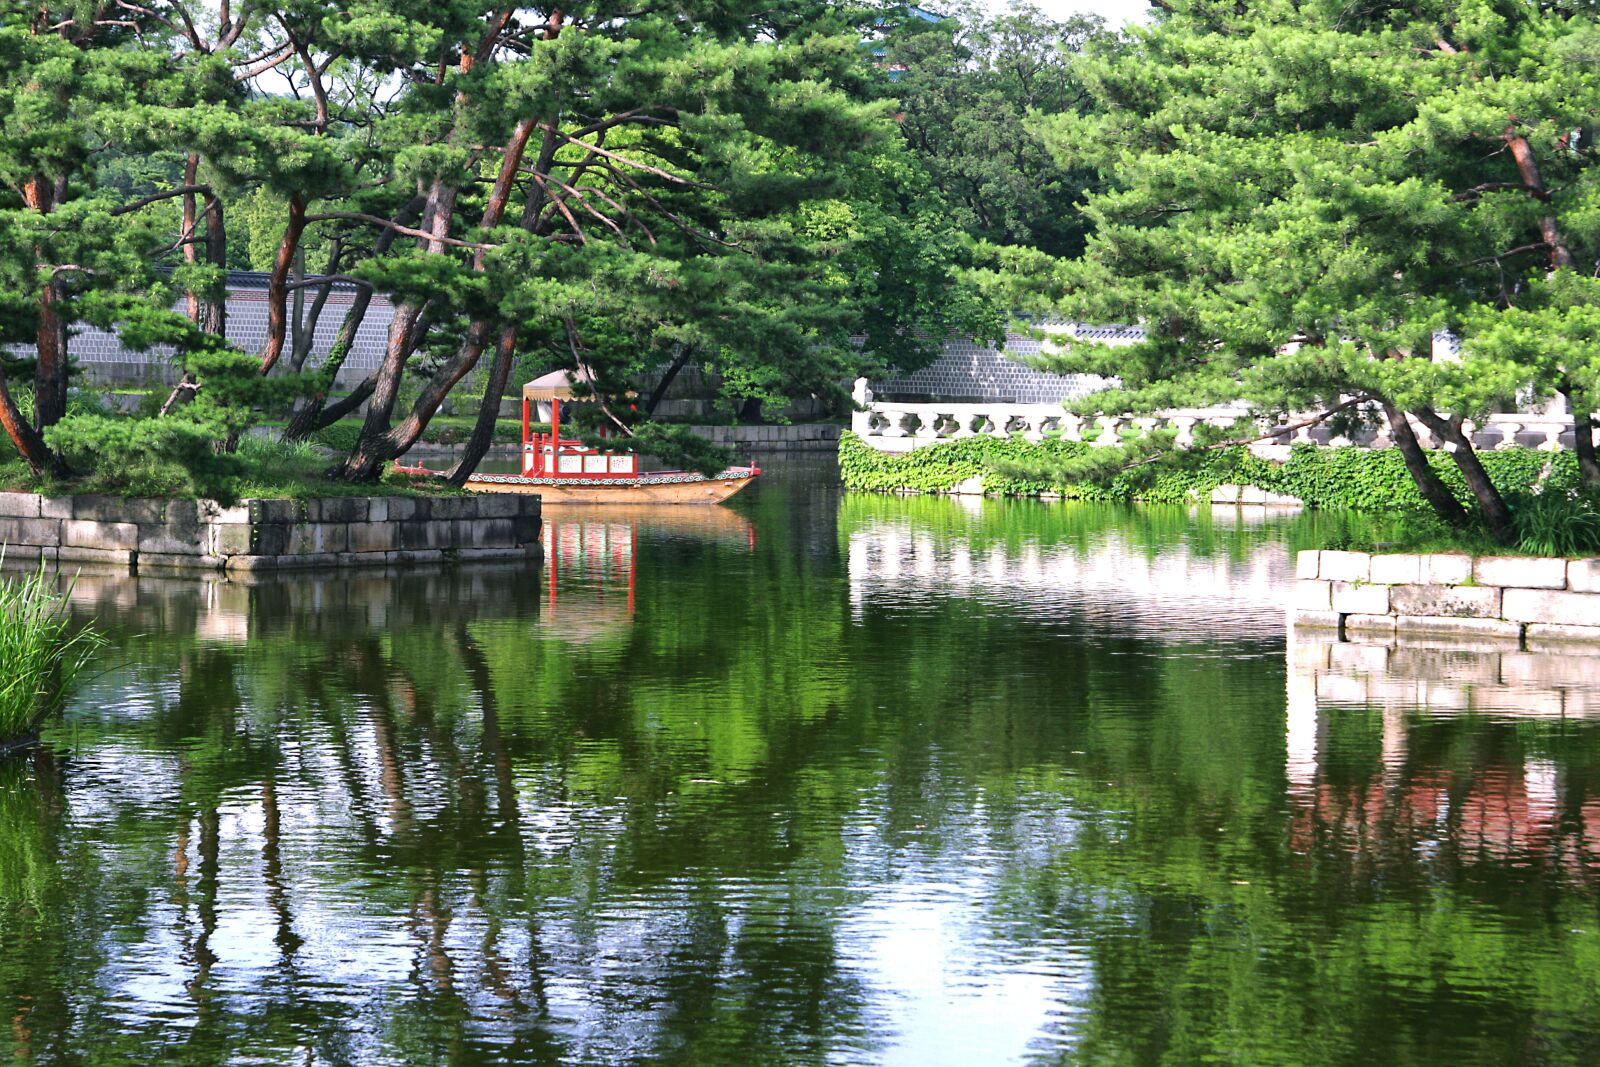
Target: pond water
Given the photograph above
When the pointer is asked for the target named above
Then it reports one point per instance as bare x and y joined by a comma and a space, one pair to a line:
815, 779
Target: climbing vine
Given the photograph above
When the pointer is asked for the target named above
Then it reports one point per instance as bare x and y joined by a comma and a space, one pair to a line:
1357, 478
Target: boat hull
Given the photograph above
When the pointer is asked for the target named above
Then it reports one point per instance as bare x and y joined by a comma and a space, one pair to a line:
649, 489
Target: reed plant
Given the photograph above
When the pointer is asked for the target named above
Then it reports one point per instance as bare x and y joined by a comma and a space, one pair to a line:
40, 652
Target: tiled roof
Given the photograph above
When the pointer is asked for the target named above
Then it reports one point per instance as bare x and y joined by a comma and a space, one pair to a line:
968, 373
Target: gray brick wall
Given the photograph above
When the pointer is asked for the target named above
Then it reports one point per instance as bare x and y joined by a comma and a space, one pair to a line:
247, 329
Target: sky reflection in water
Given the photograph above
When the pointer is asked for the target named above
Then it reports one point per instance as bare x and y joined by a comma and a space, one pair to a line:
814, 780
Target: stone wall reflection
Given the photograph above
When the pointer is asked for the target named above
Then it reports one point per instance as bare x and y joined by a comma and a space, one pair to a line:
1225, 583
1401, 755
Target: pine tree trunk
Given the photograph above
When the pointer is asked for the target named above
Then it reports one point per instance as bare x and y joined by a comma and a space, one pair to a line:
278, 284
659, 393
373, 450
364, 462
50, 379
50, 376
1491, 505
29, 444
1433, 490
1582, 437
214, 304
488, 410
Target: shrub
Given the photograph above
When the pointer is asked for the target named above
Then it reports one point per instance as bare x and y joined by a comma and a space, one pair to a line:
40, 654
1556, 523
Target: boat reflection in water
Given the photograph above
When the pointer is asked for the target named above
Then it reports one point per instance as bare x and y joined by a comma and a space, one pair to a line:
591, 558
1420, 754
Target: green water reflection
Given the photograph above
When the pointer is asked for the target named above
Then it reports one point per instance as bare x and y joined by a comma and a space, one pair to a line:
827, 781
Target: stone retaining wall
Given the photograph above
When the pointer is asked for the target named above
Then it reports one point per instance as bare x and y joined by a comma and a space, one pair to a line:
798, 437
153, 534
1538, 602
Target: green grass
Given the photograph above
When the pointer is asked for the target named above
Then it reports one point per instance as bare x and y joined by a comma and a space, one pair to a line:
275, 470
40, 653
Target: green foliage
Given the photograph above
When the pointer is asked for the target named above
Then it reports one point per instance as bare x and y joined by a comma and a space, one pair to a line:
1555, 520
1557, 523
41, 652
678, 446
967, 87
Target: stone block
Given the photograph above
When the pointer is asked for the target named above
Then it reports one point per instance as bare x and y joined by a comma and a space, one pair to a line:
1312, 594
93, 533
212, 511
489, 533
525, 529
55, 507
1397, 569
1305, 564
116, 509
230, 539
1345, 566
119, 557
453, 507
1564, 638
1250, 494
15, 552
184, 513
338, 509
1583, 575
1521, 572
43, 533
273, 511
433, 533
1544, 605
306, 560
1446, 601
318, 538
168, 561
269, 538
486, 554
415, 556
1446, 569
378, 509
19, 505
408, 508
174, 539
1371, 625
1434, 626
1355, 598
373, 537
504, 506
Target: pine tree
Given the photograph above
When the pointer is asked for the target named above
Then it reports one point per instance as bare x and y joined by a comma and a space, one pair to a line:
1303, 194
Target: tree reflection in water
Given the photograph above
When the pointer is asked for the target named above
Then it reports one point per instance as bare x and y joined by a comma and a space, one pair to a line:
896, 780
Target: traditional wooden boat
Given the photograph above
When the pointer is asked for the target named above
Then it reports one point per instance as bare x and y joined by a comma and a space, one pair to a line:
566, 471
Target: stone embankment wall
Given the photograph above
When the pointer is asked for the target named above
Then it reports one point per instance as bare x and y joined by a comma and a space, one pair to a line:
1538, 602
152, 534
798, 437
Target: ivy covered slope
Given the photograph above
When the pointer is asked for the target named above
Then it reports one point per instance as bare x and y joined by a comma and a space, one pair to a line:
1356, 478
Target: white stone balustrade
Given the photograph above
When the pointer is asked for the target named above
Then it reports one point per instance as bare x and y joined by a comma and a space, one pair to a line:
900, 426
